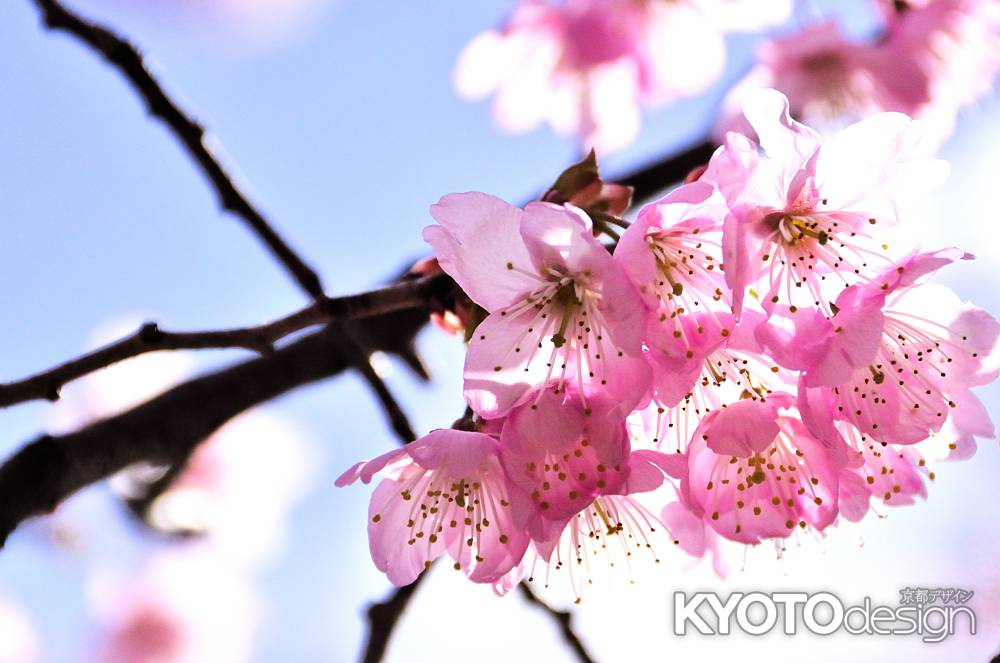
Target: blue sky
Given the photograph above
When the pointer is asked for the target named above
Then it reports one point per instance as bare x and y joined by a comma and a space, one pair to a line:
345, 134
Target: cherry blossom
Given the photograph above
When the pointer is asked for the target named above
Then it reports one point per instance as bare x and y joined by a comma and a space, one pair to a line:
444, 493
585, 66
893, 357
755, 472
560, 308
830, 80
807, 209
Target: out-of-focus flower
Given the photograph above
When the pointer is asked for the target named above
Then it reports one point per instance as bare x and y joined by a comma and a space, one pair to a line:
236, 487
585, 66
246, 23
830, 80
560, 307
185, 606
935, 57
18, 639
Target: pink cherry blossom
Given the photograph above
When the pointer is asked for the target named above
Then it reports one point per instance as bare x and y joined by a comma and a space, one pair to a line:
584, 66
445, 493
955, 45
806, 209
724, 365
184, 606
672, 252
758, 473
893, 474
829, 80
895, 356
560, 307
238, 487
615, 532
935, 57
562, 451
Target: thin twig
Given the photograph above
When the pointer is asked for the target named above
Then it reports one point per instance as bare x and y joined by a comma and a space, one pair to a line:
426, 292
127, 59
360, 350
383, 617
165, 429
563, 619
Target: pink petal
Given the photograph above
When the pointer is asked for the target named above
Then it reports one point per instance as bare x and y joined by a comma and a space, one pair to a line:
478, 243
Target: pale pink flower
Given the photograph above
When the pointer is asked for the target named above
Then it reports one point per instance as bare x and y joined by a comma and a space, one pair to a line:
723, 364
444, 493
672, 252
615, 532
955, 45
935, 57
584, 66
755, 472
806, 208
238, 487
830, 80
897, 359
183, 607
891, 473
562, 451
560, 307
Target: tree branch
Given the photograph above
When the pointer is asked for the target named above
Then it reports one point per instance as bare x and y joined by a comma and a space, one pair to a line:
166, 429
129, 62
563, 619
428, 292
383, 617
655, 176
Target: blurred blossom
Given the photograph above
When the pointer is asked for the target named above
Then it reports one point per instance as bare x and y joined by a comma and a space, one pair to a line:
226, 23
238, 487
585, 66
185, 606
18, 639
956, 45
830, 80
935, 57
239, 483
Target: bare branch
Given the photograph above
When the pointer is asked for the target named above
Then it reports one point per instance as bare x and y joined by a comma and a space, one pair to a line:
127, 59
166, 429
427, 292
563, 619
653, 177
360, 351
383, 617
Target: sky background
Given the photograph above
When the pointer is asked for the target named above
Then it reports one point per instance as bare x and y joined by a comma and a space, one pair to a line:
345, 129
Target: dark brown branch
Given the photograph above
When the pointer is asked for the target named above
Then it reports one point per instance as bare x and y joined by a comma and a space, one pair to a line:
653, 177
129, 62
427, 292
360, 350
166, 429
383, 617
563, 619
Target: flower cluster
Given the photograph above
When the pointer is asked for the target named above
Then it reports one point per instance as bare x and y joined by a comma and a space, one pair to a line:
932, 58
753, 356
585, 66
